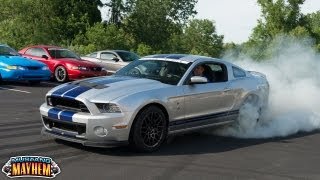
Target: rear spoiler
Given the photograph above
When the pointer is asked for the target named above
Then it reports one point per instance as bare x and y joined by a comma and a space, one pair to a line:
255, 73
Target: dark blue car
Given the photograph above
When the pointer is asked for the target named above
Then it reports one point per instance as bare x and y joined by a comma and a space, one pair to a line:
14, 67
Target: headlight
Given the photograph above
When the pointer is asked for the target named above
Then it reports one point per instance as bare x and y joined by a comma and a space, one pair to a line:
103, 69
81, 68
49, 102
108, 108
45, 68
16, 68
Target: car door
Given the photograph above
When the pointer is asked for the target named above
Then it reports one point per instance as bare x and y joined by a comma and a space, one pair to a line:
38, 54
107, 58
211, 101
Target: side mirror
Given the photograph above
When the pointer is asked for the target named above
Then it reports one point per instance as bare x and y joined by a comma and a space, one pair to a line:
115, 59
198, 80
44, 56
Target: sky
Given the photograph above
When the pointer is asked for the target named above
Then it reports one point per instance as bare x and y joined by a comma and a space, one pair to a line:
235, 19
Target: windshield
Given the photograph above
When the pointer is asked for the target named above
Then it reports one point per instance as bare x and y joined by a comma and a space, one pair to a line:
164, 71
7, 51
62, 53
128, 56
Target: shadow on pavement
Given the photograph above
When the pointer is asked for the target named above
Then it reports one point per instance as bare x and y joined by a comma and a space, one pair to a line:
14, 85
189, 144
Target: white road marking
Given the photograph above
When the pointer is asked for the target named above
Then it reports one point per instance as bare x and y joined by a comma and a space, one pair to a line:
16, 90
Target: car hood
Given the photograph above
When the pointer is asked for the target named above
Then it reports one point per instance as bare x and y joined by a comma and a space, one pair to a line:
106, 89
78, 62
19, 61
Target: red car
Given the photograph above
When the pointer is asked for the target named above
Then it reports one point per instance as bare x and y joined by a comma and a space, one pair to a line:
64, 64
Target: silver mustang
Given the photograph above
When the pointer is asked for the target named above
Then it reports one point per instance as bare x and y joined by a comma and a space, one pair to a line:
150, 99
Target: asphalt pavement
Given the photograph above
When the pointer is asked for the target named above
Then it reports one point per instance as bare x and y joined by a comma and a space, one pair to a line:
191, 156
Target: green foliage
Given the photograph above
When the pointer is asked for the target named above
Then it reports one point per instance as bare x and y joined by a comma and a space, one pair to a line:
25, 22
152, 22
102, 36
200, 37
144, 50
280, 21
313, 25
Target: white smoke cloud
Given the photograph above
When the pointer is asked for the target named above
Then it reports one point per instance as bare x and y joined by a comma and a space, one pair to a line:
294, 99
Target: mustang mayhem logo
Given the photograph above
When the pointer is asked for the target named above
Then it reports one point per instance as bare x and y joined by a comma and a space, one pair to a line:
31, 166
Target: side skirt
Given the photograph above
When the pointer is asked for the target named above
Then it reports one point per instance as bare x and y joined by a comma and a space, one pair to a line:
191, 124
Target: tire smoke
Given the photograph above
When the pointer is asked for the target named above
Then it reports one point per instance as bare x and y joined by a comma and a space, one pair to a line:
294, 99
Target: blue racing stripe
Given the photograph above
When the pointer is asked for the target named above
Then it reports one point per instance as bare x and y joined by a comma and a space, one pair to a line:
53, 113
111, 80
76, 92
64, 89
66, 115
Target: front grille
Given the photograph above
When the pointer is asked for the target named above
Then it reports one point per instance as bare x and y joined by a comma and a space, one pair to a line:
67, 104
33, 68
95, 68
68, 126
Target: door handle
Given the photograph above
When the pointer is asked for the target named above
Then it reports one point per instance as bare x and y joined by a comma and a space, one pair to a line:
227, 89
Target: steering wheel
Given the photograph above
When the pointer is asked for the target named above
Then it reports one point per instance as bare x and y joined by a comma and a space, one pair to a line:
134, 72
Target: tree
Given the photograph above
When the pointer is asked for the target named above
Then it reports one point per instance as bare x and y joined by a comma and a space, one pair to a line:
313, 26
45, 22
278, 17
24, 23
200, 37
74, 17
152, 22
118, 9
102, 36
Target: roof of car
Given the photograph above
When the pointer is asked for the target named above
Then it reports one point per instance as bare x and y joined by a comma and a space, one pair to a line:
181, 57
109, 50
45, 46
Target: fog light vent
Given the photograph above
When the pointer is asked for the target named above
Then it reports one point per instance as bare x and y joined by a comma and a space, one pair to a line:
100, 131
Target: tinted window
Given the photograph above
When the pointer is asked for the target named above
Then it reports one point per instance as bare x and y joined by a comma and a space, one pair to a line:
7, 51
62, 53
238, 73
164, 71
93, 55
128, 56
107, 56
214, 72
35, 52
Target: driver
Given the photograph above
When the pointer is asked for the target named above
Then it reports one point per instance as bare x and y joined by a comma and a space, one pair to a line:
204, 71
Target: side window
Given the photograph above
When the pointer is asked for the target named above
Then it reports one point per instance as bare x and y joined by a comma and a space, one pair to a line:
93, 55
107, 56
214, 72
238, 73
38, 52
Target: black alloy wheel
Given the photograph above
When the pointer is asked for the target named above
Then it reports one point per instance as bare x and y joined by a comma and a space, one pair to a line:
149, 130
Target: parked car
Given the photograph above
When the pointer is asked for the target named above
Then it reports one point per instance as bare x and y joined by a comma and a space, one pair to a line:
14, 67
112, 60
64, 64
149, 99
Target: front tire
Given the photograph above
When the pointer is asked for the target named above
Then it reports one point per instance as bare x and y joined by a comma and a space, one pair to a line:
60, 74
149, 130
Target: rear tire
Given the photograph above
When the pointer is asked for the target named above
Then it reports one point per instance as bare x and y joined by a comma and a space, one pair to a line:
61, 74
149, 130
249, 114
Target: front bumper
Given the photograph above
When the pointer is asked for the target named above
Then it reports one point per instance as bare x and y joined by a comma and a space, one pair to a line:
80, 127
84, 142
76, 74
26, 75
